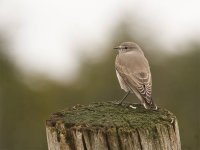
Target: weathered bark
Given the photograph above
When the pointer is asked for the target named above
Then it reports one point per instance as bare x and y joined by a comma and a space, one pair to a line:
106, 126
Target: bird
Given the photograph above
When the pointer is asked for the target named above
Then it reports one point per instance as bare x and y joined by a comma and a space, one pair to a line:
133, 73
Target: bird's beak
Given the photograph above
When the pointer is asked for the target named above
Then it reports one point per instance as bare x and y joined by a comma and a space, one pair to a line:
118, 47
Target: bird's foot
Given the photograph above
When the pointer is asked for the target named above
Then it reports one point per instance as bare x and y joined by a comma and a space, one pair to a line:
117, 102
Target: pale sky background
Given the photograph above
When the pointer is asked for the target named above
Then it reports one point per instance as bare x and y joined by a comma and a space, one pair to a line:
44, 34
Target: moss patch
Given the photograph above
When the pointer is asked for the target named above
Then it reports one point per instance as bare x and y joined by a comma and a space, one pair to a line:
107, 115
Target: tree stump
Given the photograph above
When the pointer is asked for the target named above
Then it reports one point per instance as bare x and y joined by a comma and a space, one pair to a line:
106, 126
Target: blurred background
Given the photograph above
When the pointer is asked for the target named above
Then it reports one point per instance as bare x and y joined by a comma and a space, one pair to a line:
55, 54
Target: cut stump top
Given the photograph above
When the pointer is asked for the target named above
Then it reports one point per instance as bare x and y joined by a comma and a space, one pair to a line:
108, 115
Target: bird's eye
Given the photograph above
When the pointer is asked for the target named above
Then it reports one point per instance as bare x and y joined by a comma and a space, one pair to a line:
125, 47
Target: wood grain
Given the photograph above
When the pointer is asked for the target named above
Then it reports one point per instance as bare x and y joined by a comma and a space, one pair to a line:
106, 126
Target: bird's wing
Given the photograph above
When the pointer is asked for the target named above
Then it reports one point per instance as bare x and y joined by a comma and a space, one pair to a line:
139, 80
143, 84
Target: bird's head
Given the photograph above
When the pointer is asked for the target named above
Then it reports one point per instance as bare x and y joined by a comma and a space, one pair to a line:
127, 46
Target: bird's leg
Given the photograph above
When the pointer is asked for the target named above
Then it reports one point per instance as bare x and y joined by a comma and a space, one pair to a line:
120, 101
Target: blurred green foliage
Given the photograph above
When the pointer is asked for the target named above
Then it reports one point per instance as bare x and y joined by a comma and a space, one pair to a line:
24, 107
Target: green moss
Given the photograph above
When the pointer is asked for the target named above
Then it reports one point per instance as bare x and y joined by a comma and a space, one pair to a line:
107, 114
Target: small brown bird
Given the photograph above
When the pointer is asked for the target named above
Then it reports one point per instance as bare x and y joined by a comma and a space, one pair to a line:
133, 73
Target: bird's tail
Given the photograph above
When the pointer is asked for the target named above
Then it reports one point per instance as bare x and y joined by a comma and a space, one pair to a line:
150, 105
